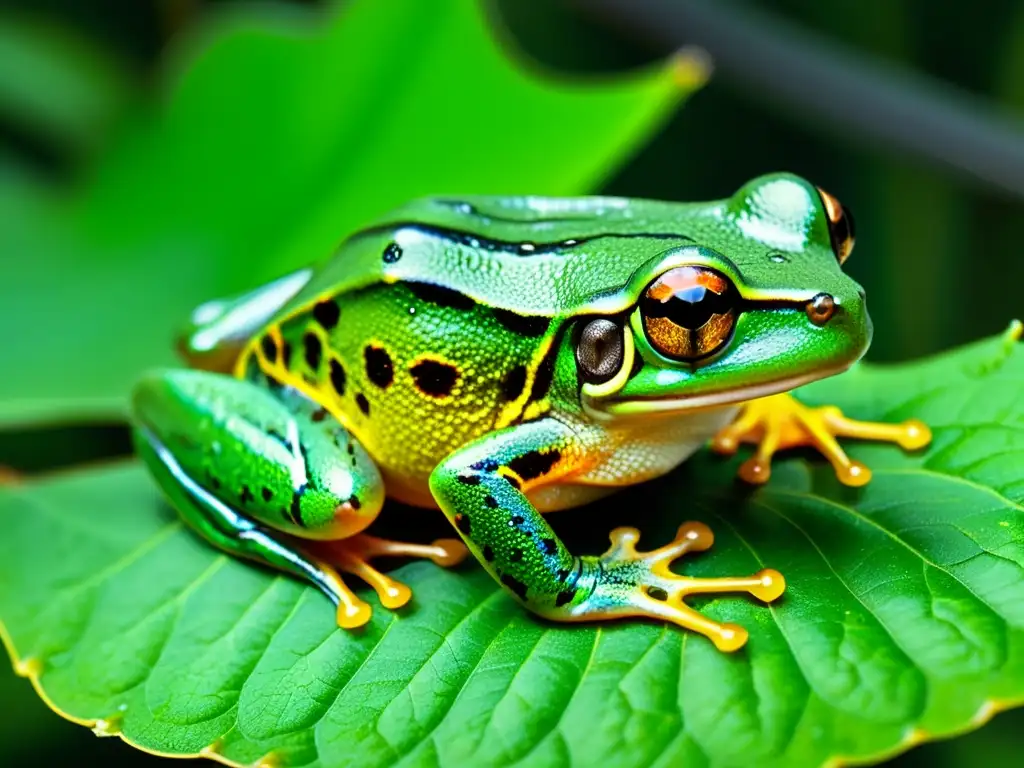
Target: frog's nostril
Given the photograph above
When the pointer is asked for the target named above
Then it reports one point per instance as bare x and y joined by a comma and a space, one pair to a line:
821, 308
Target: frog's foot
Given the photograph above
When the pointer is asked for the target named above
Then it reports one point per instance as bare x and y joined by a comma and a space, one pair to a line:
643, 584
781, 421
353, 555
352, 612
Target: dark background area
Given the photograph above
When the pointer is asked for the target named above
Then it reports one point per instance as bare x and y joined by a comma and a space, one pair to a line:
938, 251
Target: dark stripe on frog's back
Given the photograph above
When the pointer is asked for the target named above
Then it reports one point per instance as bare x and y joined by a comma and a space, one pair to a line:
533, 247
417, 362
426, 239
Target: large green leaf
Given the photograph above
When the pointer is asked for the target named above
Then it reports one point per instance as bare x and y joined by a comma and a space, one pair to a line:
281, 133
903, 621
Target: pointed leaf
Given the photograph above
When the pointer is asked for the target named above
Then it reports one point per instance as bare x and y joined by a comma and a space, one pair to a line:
283, 133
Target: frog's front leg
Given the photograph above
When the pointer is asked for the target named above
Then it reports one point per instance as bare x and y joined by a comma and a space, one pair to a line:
781, 421
482, 488
254, 469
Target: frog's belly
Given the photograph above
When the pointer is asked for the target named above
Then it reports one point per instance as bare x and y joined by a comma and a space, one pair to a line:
651, 448
633, 454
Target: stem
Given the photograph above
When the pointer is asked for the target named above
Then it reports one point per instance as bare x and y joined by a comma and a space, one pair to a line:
861, 96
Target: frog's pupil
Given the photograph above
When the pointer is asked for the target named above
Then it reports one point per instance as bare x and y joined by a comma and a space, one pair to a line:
689, 312
689, 297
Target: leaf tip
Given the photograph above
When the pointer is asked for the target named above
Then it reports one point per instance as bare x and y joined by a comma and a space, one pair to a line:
31, 668
1014, 332
108, 726
691, 68
914, 737
212, 751
988, 709
269, 760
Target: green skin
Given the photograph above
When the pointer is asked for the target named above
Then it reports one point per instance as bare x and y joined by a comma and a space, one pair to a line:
506, 421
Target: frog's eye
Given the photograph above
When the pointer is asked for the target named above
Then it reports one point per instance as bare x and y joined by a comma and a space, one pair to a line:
840, 226
689, 312
600, 350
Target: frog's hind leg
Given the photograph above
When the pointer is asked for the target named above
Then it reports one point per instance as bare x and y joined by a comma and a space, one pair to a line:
781, 421
353, 555
259, 470
236, 534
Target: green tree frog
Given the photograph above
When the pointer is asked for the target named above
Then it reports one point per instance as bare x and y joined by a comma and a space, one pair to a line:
502, 357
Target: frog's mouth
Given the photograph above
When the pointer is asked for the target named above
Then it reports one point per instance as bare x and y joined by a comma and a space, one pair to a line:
614, 407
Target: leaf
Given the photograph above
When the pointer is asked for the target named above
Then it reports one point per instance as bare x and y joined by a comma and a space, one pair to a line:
57, 85
281, 134
903, 621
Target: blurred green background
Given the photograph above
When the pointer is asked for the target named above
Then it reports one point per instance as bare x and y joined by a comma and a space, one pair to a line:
938, 250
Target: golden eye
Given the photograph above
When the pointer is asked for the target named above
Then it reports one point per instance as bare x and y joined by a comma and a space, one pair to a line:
841, 228
689, 312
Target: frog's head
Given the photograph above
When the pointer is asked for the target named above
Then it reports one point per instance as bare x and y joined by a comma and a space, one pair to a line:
758, 304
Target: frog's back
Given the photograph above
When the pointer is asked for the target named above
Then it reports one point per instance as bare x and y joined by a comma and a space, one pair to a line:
425, 332
537, 255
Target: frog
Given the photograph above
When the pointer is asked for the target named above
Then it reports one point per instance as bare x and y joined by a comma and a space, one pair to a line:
502, 357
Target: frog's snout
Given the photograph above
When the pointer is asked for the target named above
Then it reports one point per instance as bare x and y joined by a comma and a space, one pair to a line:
843, 316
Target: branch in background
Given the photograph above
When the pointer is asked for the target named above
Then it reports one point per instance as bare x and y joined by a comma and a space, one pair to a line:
862, 96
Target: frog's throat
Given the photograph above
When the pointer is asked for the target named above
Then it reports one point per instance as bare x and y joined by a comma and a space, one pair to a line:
608, 408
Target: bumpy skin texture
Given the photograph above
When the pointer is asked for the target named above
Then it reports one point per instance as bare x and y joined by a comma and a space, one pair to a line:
397, 368
444, 347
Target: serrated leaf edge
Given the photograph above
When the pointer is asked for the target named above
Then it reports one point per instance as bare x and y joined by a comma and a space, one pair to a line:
32, 669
